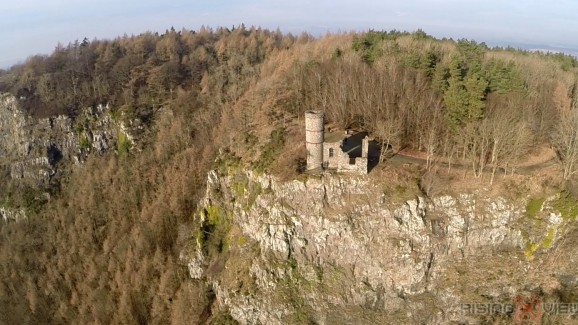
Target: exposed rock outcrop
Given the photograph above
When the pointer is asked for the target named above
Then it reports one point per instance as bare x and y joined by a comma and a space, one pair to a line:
336, 249
32, 147
9, 215
35, 153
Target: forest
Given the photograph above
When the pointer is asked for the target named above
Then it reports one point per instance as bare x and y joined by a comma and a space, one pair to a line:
105, 247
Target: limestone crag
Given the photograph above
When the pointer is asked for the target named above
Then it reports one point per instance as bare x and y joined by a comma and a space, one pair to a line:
13, 139
31, 148
9, 215
343, 246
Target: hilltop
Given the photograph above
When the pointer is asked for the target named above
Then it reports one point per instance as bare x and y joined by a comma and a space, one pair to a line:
131, 165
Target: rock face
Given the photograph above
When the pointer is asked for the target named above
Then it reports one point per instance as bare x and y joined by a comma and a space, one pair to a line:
10, 215
336, 249
34, 152
31, 148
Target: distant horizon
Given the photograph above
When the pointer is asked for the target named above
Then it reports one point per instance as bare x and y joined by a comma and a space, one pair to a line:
31, 27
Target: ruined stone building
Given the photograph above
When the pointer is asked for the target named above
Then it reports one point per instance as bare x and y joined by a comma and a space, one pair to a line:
343, 152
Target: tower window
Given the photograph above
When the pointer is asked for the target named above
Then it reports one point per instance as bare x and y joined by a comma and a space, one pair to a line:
330, 152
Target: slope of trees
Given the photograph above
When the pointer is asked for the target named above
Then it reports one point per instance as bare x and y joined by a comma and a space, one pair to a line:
105, 249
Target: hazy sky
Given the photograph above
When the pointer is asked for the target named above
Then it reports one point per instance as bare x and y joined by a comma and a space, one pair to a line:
30, 27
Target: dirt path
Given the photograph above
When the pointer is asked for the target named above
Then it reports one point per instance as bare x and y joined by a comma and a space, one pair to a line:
546, 158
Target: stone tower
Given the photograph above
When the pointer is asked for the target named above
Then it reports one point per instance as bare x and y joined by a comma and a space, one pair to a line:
314, 139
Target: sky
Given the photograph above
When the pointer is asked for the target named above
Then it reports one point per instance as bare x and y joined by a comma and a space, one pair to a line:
29, 27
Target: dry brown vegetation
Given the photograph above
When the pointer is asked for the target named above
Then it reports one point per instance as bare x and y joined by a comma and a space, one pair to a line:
105, 248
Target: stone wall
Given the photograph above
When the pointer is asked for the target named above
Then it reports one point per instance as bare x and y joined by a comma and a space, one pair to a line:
359, 166
335, 158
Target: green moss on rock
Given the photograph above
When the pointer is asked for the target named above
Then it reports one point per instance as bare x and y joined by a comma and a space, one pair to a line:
534, 207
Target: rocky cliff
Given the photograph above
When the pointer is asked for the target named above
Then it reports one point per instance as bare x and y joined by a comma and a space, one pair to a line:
35, 151
335, 249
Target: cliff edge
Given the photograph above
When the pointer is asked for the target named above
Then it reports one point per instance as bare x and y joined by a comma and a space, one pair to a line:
337, 249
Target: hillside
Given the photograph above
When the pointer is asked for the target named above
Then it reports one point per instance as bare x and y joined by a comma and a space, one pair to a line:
160, 179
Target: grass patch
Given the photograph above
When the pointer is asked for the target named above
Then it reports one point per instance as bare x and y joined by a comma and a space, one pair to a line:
533, 207
214, 231
566, 205
123, 143
549, 239
85, 143
530, 250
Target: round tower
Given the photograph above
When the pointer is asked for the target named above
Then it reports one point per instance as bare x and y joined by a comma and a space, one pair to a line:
314, 139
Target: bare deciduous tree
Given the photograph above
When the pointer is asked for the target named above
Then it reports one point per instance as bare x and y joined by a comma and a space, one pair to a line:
565, 140
388, 132
509, 134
